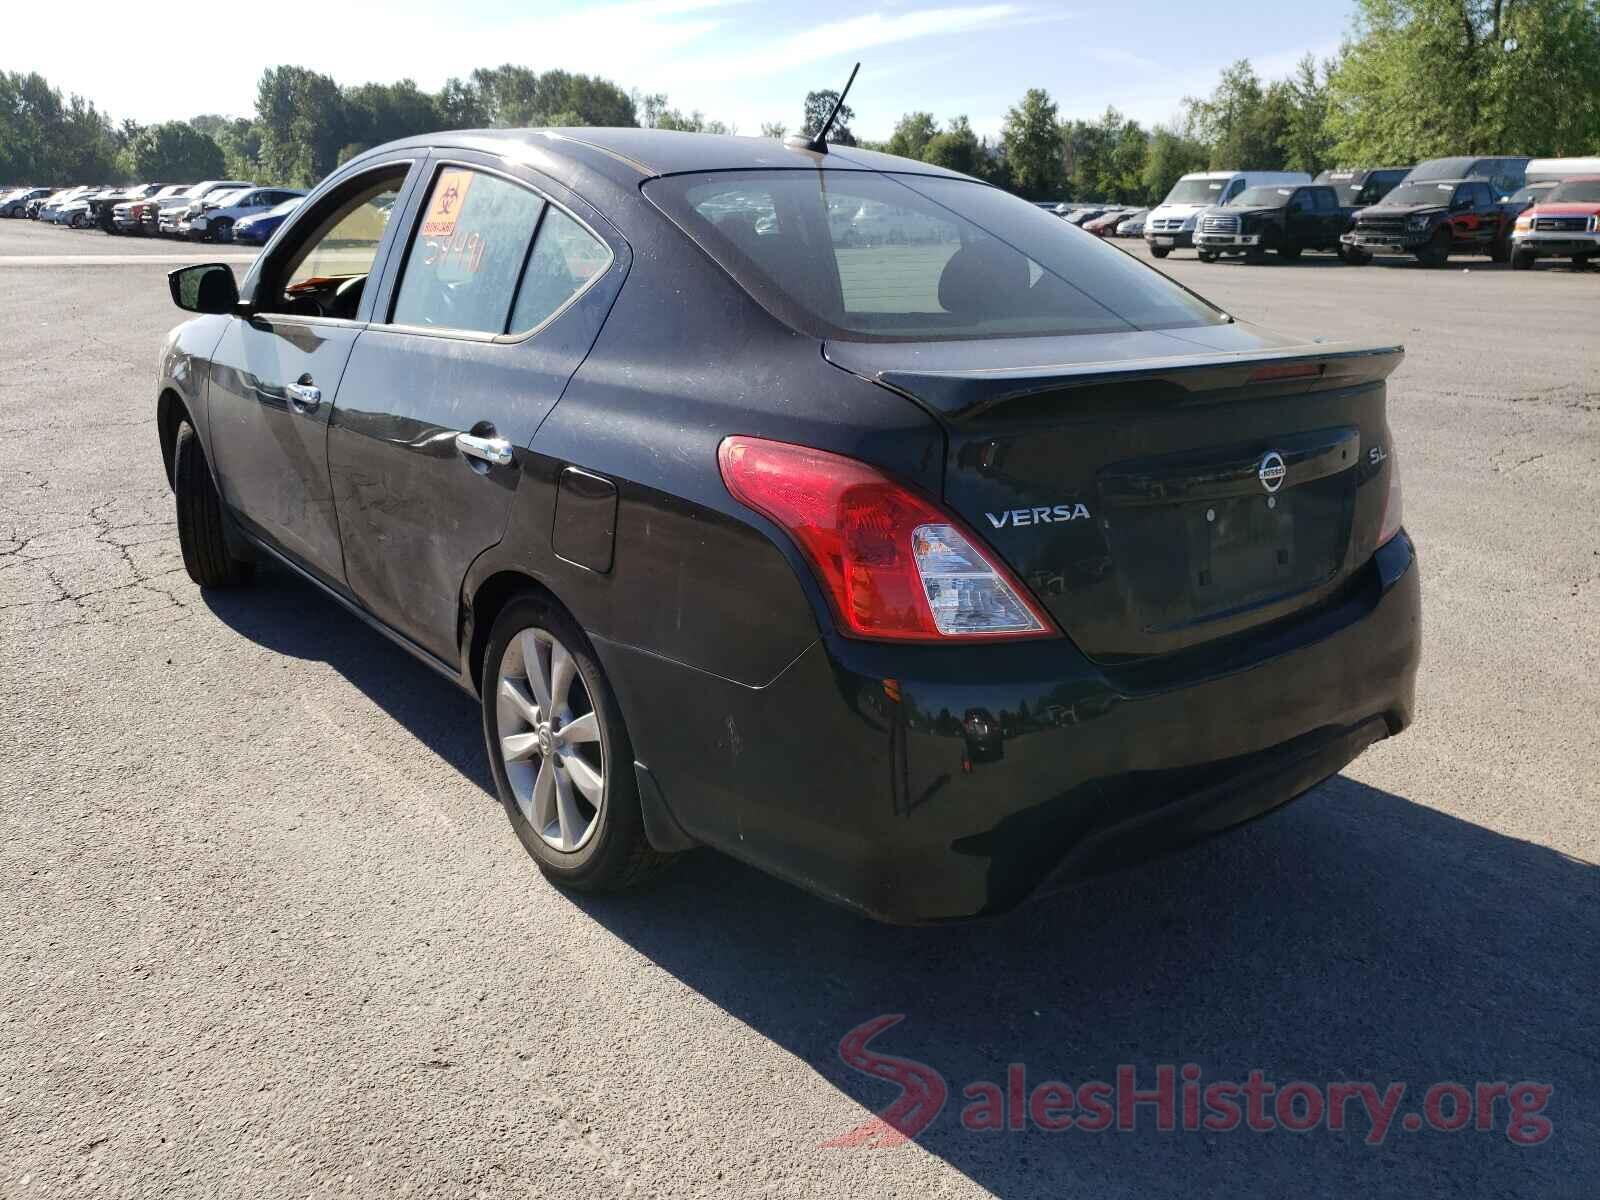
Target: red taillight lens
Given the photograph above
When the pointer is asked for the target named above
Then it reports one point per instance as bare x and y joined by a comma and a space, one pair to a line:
1392, 506
893, 564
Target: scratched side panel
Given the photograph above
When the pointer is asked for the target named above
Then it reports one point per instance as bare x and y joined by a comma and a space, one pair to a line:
698, 582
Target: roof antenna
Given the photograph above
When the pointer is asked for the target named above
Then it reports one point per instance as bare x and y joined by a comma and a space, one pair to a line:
818, 144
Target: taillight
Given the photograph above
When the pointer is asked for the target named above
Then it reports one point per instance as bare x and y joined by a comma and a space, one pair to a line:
1392, 505
893, 564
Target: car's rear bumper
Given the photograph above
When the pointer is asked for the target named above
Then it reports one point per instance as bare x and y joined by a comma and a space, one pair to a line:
853, 774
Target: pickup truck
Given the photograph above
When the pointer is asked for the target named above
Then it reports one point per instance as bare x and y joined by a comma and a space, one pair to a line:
1285, 217
1566, 222
1433, 220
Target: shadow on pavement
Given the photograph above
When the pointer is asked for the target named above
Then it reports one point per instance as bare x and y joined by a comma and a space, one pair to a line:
1353, 935
289, 616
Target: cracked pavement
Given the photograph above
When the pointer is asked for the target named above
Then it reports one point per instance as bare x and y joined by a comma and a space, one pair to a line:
268, 933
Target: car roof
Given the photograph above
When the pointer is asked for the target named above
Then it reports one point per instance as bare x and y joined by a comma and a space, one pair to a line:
627, 155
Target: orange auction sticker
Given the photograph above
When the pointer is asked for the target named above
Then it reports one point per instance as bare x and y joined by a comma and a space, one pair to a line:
449, 197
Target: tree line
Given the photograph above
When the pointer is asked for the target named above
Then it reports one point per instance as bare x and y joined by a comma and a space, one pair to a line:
1415, 79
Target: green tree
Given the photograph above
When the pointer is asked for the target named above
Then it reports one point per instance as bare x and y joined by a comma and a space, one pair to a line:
911, 135
956, 149
1425, 78
375, 113
1172, 154
1033, 146
513, 97
774, 129
1308, 144
1243, 123
240, 142
303, 124
175, 152
460, 105
818, 106
47, 139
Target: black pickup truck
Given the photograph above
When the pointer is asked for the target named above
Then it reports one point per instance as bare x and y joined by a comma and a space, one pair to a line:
1433, 220
1285, 217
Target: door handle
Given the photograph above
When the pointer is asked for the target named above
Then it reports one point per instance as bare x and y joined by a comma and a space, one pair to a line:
305, 397
496, 451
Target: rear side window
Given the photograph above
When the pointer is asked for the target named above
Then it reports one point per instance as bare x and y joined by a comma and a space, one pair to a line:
862, 256
492, 256
565, 257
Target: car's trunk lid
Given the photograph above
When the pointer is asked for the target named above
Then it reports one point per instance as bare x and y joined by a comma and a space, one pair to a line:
1133, 480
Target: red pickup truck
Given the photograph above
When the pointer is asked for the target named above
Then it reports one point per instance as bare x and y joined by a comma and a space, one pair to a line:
1566, 223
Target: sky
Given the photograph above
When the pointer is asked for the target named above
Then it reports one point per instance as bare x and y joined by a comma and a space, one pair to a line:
743, 61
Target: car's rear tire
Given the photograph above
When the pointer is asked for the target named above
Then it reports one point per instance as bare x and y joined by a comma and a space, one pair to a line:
569, 789
1160, 251
201, 533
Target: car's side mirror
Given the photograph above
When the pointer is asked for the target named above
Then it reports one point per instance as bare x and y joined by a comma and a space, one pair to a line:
207, 288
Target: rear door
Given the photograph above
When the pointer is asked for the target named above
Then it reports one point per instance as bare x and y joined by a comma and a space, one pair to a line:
496, 295
275, 375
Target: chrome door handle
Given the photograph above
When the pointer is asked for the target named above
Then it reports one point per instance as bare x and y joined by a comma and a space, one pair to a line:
491, 450
304, 397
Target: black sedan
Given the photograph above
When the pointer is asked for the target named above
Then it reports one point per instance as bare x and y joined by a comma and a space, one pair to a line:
736, 477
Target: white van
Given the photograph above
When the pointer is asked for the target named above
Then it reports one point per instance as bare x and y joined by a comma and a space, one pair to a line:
1554, 170
1170, 225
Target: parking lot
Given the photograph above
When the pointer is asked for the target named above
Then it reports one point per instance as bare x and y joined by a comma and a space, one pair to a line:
272, 935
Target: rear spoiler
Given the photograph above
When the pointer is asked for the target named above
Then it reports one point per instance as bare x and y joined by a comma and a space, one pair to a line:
1130, 385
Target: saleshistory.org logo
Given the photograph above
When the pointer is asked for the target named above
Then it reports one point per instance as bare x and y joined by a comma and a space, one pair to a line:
1179, 1098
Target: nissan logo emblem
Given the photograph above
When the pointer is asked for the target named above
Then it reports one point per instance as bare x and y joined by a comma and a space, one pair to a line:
1271, 471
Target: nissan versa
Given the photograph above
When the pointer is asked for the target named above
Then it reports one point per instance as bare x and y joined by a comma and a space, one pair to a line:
831, 509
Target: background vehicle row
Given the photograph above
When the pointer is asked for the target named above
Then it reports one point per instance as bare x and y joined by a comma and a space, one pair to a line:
205, 211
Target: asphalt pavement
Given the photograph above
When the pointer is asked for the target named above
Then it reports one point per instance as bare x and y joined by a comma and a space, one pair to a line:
268, 933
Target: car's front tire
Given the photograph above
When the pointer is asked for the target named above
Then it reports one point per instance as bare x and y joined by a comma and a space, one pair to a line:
560, 753
1521, 260
1206, 256
1160, 251
201, 533
1437, 252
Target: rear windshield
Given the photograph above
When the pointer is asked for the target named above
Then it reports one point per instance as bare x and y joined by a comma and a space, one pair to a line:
1580, 191
862, 256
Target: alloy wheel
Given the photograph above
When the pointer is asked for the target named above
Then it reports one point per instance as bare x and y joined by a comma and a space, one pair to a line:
551, 740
